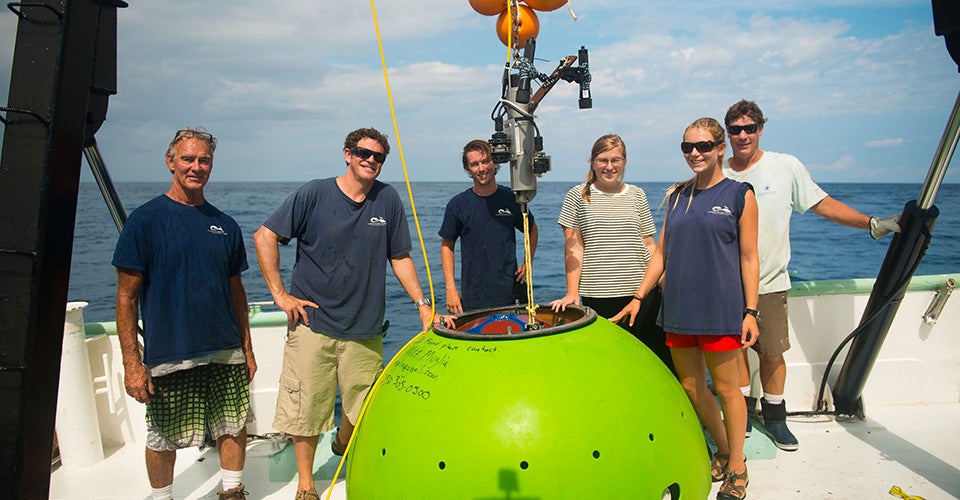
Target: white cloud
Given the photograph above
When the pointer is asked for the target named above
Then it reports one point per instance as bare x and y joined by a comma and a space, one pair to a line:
844, 163
282, 85
885, 143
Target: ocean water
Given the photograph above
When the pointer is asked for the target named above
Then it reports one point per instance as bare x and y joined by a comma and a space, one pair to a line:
821, 249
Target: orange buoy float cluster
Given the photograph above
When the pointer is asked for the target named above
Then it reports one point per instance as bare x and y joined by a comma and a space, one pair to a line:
526, 17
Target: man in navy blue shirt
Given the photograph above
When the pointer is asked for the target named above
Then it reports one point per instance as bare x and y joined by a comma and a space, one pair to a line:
484, 218
348, 228
178, 262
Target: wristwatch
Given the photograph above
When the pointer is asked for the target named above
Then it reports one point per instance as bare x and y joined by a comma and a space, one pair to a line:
753, 312
422, 302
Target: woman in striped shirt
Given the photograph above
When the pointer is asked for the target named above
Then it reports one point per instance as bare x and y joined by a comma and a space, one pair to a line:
609, 238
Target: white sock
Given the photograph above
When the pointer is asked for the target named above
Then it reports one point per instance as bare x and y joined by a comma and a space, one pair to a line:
773, 399
231, 478
165, 493
746, 391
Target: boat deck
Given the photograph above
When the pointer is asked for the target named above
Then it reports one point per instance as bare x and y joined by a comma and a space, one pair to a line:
912, 447
909, 439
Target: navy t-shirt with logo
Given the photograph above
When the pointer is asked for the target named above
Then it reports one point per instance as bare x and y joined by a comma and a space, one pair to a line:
187, 255
486, 227
343, 248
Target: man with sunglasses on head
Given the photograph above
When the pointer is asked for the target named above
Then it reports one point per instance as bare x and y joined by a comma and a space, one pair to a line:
348, 228
178, 262
783, 185
484, 218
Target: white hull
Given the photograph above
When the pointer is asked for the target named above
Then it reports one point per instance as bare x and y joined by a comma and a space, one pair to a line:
909, 439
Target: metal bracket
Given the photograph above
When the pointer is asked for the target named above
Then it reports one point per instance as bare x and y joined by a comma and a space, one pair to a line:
13, 6
939, 300
34, 114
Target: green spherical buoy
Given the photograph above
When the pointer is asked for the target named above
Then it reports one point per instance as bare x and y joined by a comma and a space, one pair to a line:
577, 410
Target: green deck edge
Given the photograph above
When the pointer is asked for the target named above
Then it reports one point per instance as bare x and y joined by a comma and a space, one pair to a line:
856, 286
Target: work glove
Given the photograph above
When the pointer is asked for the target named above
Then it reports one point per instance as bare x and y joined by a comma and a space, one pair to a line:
879, 227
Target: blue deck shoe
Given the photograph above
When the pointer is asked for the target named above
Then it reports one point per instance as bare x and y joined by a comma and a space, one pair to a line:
775, 421
751, 410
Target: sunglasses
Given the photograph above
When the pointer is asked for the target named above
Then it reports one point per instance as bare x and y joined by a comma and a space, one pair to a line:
702, 146
190, 134
364, 153
736, 129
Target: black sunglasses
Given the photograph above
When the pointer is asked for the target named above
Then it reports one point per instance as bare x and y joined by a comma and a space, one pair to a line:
736, 129
702, 146
364, 153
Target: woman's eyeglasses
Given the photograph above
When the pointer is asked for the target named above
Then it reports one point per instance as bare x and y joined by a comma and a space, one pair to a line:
702, 146
603, 162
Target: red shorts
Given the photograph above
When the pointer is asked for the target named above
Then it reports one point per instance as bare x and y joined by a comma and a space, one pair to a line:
709, 343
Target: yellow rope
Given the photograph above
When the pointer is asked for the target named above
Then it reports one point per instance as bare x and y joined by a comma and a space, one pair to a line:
528, 263
423, 249
510, 31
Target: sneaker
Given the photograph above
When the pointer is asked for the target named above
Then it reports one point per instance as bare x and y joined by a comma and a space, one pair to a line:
238, 493
310, 494
775, 421
751, 411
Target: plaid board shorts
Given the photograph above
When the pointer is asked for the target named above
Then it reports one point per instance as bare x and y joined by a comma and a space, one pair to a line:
187, 403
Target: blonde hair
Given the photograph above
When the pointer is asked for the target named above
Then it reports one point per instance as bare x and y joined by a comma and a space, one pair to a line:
716, 131
602, 145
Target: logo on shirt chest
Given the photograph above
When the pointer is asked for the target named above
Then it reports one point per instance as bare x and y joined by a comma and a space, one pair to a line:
377, 221
718, 210
504, 212
215, 229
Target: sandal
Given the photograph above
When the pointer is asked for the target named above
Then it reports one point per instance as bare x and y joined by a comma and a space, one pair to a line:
734, 486
718, 467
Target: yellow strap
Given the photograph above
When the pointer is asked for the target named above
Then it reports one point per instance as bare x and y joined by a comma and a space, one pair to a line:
897, 492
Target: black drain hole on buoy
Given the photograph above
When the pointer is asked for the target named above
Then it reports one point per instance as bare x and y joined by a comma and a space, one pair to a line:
596, 453
442, 465
524, 464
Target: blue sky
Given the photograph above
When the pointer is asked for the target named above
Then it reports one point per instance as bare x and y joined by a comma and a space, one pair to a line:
859, 90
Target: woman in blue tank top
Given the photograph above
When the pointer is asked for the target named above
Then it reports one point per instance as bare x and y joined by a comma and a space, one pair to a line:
707, 256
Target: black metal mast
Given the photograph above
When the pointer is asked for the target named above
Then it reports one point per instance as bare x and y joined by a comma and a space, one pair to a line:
44, 121
907, 249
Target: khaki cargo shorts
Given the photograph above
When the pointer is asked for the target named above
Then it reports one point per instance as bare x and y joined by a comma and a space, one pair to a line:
313, 363
774, 338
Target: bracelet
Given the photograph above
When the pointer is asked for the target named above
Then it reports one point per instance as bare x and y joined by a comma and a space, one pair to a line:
638, 298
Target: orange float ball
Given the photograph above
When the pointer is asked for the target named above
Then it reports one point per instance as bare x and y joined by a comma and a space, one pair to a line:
529, 26
545, 5
489, 7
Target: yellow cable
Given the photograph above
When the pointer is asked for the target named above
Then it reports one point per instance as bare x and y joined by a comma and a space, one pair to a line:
528, 263
423, 248
509, 33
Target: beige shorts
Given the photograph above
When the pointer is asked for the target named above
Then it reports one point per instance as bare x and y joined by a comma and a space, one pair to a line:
774, 339
313, 363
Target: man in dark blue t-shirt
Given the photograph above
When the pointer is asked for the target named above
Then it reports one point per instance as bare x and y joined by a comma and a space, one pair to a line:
484, 217
178, 262
348, 229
